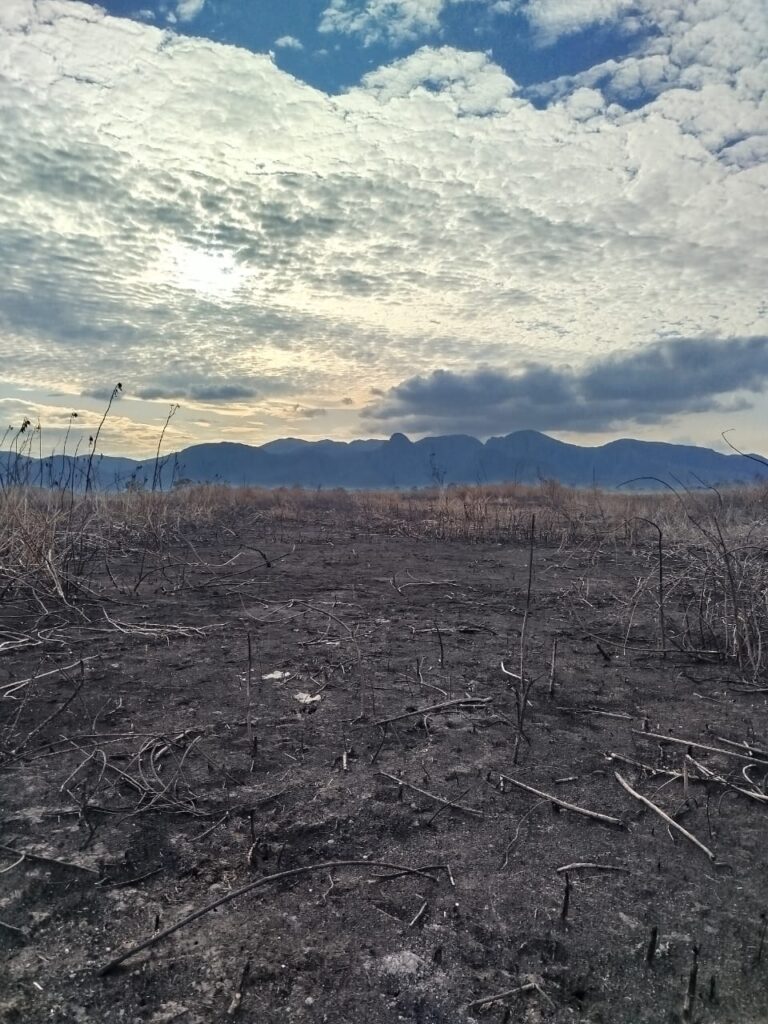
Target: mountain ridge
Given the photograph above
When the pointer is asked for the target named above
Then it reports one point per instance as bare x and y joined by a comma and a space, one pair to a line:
525, 456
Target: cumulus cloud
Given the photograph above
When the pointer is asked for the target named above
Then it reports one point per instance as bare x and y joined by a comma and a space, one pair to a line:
289, 43
191, 212
188, 10
555, 18
681, 46
661, 380
471, 82
373, 20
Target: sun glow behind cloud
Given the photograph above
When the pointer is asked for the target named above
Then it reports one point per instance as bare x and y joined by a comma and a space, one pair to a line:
204, 271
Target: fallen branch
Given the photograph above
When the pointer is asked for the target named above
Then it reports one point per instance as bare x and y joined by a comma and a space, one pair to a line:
664, 816
529, 986
471, 702
409, 871
606, 819
419, 914
646, 767
588, 865
22, 934
26, 855
257, 884
710, 776
592, 711
699, 746
705, 775
400, 587
433, 796
743, 746
8, 688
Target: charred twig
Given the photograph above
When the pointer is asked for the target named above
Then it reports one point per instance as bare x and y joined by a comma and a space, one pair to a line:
593, 711
422, 870
690, 994
131, 881
653, 943
12, 928
652, 769
257, 884
53, 716
478, 1004
8, 688
237, 998
566, 899
516, 836
553, 667
27, 855
433, 796
464, 702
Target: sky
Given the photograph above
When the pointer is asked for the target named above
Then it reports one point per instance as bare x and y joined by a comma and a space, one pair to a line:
347, 218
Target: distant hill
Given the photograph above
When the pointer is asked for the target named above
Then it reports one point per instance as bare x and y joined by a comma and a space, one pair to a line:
525, 456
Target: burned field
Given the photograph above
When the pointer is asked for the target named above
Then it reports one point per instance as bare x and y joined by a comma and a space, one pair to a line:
430, 765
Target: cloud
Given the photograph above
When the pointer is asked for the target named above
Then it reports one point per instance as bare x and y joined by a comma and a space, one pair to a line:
373, 20
289, 43
103, 394
309, 413
648, 386
471, 82
187, 10
179, 387
185, 216
676, 45
555, 18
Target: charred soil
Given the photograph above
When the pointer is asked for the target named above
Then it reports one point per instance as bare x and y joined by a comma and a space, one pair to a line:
257, 699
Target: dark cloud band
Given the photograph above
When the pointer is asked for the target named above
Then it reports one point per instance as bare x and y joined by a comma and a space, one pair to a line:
661, 380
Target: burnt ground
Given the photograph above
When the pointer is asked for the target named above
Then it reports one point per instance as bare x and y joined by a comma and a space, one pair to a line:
134, 773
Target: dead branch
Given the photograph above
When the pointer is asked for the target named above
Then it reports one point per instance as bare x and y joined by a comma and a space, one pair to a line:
588, 865
400, 587
257, 884
645, 767
27, 855
529, 986
606, 819
664, 816
699, 746
593, 711
465, 702
433, 796
9, 688
419, 914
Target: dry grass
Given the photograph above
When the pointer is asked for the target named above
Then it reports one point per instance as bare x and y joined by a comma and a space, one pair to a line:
705, 555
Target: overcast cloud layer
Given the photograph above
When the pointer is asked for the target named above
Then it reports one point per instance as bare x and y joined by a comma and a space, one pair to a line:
188, 218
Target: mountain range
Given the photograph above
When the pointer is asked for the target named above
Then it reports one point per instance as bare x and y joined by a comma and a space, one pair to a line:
525, 456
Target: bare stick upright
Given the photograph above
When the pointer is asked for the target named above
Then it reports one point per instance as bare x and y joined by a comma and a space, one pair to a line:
248, 677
